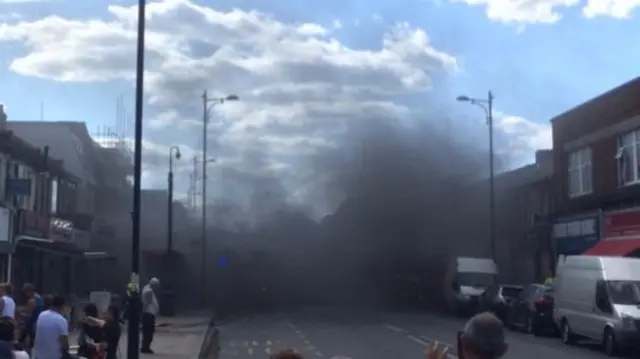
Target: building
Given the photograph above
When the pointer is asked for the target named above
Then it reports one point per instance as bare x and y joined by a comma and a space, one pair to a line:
39, 237
596, 175
104, 195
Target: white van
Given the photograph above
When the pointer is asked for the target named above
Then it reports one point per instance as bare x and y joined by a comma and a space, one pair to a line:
465, 280
598, 298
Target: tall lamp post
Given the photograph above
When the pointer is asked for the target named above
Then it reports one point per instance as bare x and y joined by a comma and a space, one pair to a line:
174, 151
487, 105
208, 104
135, 306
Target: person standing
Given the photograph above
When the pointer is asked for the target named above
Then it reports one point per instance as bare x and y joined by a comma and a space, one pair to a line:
9, 305
35, 305
52, 332
150, 309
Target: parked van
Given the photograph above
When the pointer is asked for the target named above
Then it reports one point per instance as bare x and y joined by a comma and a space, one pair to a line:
599, 298
465, 280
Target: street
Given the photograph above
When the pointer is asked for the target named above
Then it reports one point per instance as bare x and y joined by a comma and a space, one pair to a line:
359, 334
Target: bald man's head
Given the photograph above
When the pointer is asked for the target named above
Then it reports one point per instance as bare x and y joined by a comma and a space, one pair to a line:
483, 337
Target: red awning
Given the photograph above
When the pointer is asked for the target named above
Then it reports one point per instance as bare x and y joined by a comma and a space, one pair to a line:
614, 247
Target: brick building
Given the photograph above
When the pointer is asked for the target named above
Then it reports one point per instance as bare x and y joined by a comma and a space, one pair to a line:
597, 172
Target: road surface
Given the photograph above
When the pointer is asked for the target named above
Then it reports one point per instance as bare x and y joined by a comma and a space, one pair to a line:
361, 334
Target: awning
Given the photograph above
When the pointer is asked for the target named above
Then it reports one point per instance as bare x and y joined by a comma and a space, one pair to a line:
614, 247
51, 246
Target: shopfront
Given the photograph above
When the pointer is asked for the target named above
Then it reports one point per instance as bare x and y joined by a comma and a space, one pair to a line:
620, 235
576, 234
6, 241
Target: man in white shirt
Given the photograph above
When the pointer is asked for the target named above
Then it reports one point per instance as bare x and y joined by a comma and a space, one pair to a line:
150, 309
52, 332
8, 304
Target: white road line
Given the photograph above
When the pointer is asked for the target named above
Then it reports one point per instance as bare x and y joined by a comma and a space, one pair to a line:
267, 350
255, 343
419, 341
319, 354
250, 351
424, 337
395, 329
269, 343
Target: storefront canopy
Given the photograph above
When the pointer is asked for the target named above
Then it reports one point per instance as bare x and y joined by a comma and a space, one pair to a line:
50, 246
614, 247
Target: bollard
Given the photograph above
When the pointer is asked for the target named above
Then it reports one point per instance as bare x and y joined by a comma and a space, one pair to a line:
210, 348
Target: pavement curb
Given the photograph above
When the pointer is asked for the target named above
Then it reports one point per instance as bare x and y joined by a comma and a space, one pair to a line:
210, 348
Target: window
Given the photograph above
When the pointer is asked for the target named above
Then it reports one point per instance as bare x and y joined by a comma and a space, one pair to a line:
580, 181
628, 158
602, 297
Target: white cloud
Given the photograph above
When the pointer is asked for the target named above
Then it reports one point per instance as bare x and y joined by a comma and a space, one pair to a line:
521, 137
619, 9
549, 11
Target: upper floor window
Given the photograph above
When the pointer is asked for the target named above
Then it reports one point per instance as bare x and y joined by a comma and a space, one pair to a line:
628, 158
580, 172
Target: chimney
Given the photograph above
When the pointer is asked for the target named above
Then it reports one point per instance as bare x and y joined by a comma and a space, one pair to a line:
3, 118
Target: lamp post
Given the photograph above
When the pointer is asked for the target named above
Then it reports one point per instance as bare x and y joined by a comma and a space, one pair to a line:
208, 104
135, 306
174, 151
487, 105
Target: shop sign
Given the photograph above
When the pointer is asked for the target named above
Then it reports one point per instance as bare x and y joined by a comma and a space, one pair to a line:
61, 230
34, 224
575, 235
621, 225
5, 225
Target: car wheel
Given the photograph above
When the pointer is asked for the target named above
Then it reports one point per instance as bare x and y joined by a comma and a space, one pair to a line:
609, 343
535, 328
565, 330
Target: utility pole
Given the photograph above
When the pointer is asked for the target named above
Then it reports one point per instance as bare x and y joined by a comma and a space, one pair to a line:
135, 306
205, 127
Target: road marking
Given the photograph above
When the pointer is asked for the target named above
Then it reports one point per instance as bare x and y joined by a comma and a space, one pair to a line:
250, 351
319, 354
396, 329
269, 343
255, 343
309, 348
424, 337
419, 341
267, 350
293, 327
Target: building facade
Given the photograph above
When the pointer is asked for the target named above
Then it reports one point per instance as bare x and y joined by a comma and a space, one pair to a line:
37, 210
597, 174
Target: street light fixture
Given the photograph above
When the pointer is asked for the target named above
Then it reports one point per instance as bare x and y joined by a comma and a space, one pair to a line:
208, 104
487, 106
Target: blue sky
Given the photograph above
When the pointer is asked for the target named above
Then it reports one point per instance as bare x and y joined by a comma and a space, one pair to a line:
539, 61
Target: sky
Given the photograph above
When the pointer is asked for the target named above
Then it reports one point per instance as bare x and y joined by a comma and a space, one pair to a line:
303, 69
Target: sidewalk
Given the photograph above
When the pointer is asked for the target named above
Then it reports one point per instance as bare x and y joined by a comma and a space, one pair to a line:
174, 340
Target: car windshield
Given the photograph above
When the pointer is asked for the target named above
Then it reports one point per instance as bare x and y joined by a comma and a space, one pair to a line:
624, 292
476, 279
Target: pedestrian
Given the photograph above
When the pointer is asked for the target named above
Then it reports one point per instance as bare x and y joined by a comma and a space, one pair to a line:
110, 325
150, 309
90, 335
7, 336
35, 305
8, 304
52, 332
482, 338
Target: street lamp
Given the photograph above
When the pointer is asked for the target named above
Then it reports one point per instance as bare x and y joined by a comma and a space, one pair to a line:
208, 104
487, 106
135, 306
174, 151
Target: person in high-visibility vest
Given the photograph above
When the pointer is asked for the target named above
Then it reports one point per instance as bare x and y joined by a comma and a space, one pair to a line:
548, 281
131, 289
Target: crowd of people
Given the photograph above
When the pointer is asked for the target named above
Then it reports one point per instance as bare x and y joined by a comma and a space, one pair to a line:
40, 328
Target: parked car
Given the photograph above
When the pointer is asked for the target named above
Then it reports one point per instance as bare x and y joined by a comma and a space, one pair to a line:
532, 310
496, 299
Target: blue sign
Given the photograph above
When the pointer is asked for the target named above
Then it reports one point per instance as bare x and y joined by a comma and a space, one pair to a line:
222, 262
575, 235
18, 186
